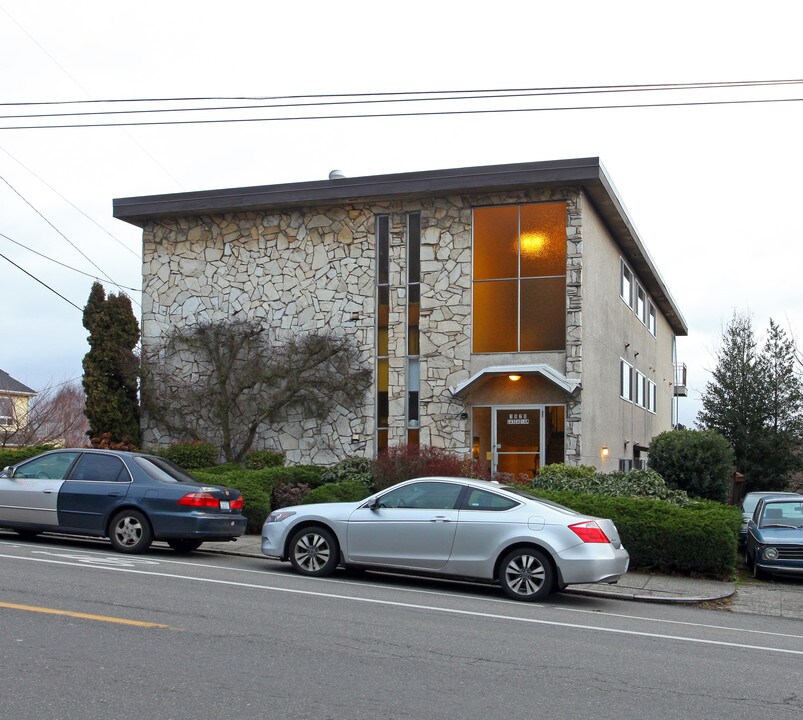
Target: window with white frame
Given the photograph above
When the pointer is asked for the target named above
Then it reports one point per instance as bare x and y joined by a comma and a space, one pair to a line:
6, 411
641, 383
626, 380
651, 395
635, 296
641, 304
626, 284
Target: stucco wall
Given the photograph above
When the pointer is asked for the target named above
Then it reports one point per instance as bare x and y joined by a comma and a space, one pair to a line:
611, 330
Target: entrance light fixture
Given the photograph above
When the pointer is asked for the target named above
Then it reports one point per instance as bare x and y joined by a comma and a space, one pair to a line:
514, 378
605, 452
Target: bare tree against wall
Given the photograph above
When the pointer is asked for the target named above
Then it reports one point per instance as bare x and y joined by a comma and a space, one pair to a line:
220, 381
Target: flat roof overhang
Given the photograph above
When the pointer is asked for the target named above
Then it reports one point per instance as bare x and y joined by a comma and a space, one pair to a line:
585, 173
568, 385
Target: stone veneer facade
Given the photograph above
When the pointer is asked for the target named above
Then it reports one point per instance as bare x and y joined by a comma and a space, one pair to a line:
313, 269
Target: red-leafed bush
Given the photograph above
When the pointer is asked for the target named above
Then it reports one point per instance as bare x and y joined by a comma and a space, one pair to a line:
403, 462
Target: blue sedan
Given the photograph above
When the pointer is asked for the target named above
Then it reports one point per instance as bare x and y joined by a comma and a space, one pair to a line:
775, 538
131, 498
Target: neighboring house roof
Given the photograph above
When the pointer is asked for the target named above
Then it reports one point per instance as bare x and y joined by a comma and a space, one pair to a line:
10, 386
587, 173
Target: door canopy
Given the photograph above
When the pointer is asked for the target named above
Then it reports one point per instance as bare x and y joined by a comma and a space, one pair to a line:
568, 385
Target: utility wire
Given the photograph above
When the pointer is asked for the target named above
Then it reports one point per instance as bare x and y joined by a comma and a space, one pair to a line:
64, 265
30, 205
82, 253
73, 205
420, 94
319, 103
40, 282
79, 86
401, 114
384, 98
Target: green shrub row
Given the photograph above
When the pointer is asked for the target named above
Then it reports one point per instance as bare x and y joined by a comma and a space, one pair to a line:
258, 459
258, 487
585, 478
699, 538
12, 456
190, 455
346, 491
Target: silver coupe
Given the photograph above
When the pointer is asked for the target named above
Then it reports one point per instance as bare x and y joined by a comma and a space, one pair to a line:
456, 527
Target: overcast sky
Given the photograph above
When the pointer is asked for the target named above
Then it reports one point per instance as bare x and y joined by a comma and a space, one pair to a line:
713, 190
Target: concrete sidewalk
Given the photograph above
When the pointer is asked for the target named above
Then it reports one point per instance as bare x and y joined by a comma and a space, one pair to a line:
635, 586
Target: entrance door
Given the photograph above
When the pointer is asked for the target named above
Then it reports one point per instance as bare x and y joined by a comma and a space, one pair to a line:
518, 440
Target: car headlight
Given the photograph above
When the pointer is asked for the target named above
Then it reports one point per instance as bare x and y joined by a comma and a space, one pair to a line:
770, 553
279, 515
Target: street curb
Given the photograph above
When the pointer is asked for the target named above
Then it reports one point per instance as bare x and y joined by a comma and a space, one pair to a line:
655, 599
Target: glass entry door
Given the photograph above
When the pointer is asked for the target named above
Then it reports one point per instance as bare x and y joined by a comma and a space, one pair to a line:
517, 449
518, 439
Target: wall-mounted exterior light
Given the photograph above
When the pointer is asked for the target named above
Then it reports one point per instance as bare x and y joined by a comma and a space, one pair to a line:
604, 452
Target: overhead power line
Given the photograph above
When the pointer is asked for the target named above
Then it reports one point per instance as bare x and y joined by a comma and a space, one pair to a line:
41, 282
411, 95
81, 252
64, 265
70, 203
117, 118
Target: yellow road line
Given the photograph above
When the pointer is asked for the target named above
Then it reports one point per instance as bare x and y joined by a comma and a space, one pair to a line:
82, 616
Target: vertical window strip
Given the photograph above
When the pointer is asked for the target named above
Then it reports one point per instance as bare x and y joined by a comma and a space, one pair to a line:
382, 326
413, 329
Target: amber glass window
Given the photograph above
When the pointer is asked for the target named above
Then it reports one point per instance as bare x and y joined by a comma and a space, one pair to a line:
519, 300
413, 330
382, 317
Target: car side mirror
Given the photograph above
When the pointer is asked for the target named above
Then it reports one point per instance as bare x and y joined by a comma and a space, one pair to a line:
373, 505
8, 472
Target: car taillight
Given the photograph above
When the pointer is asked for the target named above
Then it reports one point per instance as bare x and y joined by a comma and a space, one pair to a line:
589, 532
237, 504
200, 499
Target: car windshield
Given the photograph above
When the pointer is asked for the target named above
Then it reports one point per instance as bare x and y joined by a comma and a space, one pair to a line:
529, 496
164, 470
782, 514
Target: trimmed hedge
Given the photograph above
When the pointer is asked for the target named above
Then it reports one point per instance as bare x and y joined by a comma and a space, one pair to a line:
699, 538
584, 478
347, 491
259, 459
190, 455
257, 485
255, 496
12, 456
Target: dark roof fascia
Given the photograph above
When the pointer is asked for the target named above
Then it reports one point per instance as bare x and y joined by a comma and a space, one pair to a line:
587, 173
487, 178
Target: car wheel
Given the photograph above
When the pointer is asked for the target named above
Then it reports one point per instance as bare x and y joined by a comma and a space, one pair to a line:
27, 534
130, 532
313, 551
185, 546
526, 574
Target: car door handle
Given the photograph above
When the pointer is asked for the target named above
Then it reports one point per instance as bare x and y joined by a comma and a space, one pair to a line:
440, 518
114, 494
47, 492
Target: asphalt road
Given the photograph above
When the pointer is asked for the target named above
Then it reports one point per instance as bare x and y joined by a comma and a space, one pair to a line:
86, 633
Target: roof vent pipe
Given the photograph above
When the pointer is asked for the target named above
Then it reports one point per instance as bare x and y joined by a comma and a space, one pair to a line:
336, 175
